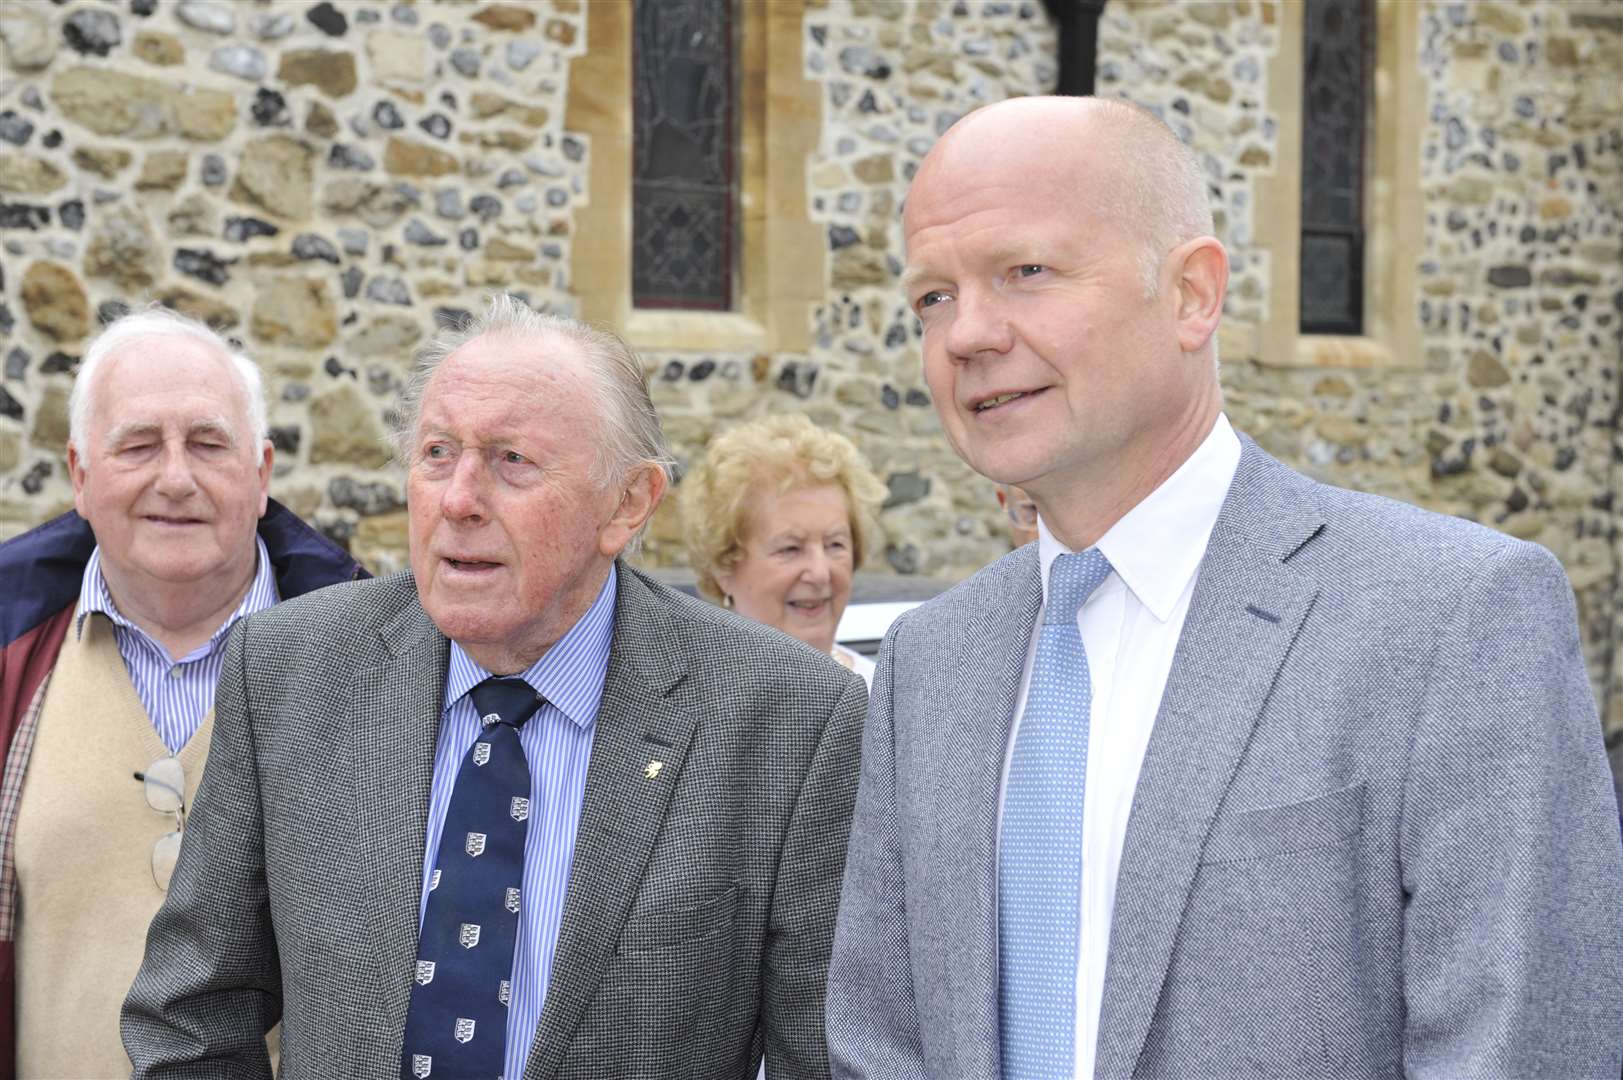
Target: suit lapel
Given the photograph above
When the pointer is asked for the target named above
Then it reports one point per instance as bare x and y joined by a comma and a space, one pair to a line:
965, 767
621, 812
1246, 611
395, 709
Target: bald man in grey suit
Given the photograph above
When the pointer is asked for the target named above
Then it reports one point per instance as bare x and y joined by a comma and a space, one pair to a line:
1319, 781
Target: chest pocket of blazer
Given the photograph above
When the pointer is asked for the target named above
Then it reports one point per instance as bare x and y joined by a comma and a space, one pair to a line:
1323, 821
657, 930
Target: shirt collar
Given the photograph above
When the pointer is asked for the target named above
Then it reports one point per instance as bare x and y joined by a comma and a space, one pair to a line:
96, 598
570, 675
1157, 546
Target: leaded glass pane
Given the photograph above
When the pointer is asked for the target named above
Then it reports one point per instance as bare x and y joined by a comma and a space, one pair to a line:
683, 171
1335, 91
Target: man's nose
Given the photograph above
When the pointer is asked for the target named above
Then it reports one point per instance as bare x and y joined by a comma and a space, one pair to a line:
464, 496
979, 325
175, 479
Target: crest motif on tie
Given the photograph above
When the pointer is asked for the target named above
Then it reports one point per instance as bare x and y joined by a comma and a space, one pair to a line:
504, 991
421, 1065
490, 718
464, 1029
425, 972
512, 901
475, 844
481, 753
520, 809
468, 935
434, 880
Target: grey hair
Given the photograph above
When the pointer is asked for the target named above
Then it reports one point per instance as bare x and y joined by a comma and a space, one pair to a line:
158, 321
632, 437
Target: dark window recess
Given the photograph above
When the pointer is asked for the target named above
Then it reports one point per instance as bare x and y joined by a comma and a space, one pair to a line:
684, 202
1338, 45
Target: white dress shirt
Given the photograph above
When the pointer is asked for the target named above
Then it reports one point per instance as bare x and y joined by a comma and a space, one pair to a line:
1130, 628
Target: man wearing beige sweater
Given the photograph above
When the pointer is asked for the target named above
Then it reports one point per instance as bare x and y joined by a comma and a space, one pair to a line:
112, 632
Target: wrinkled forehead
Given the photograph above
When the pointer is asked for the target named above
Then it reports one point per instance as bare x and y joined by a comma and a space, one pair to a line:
168, 380
513, 366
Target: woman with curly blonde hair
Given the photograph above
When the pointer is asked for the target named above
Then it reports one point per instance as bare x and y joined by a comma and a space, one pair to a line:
778, 516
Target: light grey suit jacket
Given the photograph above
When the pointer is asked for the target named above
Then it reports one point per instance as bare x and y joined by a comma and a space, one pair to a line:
1374, 833
701, 901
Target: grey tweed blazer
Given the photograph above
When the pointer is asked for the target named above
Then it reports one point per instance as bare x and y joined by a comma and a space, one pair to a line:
700, 911
1374, 834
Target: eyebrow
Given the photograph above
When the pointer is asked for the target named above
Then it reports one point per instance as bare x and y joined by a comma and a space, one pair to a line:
134, 429
911, 276
213, 425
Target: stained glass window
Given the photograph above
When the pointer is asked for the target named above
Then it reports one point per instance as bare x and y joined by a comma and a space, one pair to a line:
684, 156
1335, 109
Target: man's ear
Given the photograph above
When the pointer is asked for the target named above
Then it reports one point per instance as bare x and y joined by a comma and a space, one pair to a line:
1201, 267
644, 489
76, 473
267, 457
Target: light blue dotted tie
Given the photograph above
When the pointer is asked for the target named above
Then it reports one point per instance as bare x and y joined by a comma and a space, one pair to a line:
1040, 847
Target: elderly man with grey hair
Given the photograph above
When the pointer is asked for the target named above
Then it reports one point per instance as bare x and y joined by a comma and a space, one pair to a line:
522, 811
112, 634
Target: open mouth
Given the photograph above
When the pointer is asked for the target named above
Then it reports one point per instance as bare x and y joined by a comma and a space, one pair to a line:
471, 564
809, 607
1003, 399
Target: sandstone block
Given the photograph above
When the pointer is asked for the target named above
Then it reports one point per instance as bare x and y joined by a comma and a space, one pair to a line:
330, 71
30, 45
344, 430
113, 103
387, 335
55, 301
25, 174
163, 170
296, 312
51, 420
193, 216
205, 115
277, 173
159, 49
320, 121
510, 17
560, 31
110, 102
876, 169
11, 445
485, 105
124, 249
216, 313
397, 56
104, 161
1485, 370
407, 157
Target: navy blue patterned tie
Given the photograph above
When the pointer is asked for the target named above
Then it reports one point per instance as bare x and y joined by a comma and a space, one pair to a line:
1040, 846
457, 1023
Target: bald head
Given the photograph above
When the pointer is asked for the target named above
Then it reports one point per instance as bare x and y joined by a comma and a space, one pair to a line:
1107, 156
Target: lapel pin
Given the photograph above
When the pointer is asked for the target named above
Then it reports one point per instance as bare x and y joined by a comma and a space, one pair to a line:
651, 770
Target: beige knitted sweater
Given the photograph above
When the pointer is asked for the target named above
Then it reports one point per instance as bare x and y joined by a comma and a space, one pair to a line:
84, 851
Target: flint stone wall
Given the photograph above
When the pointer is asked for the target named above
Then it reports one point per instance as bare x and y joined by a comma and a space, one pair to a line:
327, 181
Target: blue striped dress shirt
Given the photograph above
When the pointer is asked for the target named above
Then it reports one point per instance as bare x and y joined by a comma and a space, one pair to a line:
176, 694
557, 740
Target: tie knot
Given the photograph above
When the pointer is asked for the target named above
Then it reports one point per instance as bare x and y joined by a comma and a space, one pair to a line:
505, 701
1071, 580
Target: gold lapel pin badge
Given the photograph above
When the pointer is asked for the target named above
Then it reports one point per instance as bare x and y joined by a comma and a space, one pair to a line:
651, 770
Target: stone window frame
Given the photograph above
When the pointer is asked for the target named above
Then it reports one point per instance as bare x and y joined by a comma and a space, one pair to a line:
1394, 204
781, 274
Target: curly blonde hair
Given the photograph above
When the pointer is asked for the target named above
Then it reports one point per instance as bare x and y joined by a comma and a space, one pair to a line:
786, 452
